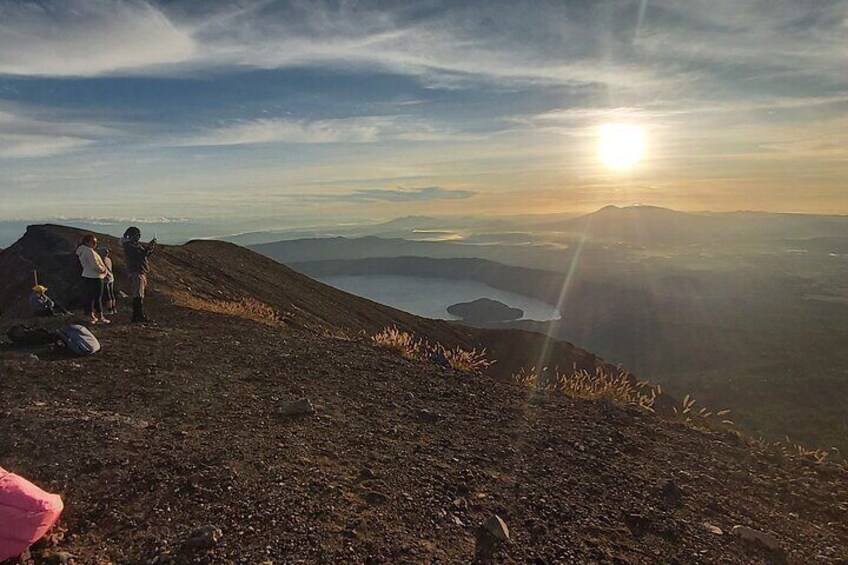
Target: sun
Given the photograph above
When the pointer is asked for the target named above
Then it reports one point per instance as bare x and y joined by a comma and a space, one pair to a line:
621, 146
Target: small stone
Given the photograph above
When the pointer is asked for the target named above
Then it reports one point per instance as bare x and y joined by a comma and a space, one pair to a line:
638, 523
490, 535
204, 539
302, 407
750, 534
22, 356
163, 558
367, 474
713, 529
429, 416
497, 528
375, 497
59, 558
672, 494
460, 504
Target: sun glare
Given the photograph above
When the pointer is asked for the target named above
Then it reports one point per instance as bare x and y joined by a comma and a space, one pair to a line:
621, 146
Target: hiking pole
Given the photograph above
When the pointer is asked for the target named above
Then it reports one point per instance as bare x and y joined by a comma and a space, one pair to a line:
34, 277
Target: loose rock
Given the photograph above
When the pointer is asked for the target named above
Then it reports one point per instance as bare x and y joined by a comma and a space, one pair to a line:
750, 534
302, 407
491, 534
375, 497
713, 529
672, 494
204, 539
429, 416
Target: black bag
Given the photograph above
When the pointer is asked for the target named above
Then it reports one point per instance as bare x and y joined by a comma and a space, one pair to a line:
26, 335
78, 340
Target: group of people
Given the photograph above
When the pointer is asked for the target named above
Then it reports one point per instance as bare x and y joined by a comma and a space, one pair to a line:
98, 278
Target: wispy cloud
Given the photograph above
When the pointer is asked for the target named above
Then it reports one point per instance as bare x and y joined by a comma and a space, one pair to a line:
363, 129
89, 38
551, 43
27, 133
16, 146
807, 38
446, 47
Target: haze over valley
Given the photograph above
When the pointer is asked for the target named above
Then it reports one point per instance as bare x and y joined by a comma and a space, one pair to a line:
743, 310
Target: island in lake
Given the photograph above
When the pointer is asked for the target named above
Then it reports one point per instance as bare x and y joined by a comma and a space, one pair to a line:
485, 310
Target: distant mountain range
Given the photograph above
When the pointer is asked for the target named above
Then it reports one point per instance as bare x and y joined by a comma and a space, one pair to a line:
743, 309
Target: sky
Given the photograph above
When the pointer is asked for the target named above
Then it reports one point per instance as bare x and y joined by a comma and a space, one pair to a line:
309, 112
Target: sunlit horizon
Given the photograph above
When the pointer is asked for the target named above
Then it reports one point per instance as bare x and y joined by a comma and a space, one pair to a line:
315, 114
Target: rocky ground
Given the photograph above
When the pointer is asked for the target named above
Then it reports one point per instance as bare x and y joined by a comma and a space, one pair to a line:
189, 441
174, 445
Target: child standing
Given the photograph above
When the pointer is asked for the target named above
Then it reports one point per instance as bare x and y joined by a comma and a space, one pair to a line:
111, 304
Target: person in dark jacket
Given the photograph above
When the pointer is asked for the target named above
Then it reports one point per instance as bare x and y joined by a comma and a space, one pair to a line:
39, 303
42, 305
136, 254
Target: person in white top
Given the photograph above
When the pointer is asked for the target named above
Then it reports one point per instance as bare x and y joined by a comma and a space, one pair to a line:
93, 274
110, 303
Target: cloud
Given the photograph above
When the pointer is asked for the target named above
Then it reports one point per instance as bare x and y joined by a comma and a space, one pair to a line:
16, 146
505, 44
399, 194
446, 48
88, 38
804, 38
360, 129
25, 132
351, 130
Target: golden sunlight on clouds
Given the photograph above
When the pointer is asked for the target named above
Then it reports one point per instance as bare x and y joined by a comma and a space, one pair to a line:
621, 146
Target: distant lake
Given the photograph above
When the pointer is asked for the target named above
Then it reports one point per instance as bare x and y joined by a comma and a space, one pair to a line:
430, 297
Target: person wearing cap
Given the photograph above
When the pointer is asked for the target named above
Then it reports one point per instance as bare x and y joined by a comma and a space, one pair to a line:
138, 266
40, 304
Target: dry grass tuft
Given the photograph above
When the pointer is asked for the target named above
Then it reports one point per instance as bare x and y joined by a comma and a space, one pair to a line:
473, 361
687, 414
620, 388
396, 340
617, 387
247, 308
411, 347
789, 449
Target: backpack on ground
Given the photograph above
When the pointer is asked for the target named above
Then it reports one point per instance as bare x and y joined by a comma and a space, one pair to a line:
78, 340
26, 513
28, 336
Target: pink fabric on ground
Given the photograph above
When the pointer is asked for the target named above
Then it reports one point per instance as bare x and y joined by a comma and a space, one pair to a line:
26, 513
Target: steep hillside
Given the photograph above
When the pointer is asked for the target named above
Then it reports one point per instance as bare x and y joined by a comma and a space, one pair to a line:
763, 335
182, 427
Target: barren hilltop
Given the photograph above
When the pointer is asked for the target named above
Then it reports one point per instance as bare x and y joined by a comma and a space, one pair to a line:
184, 441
